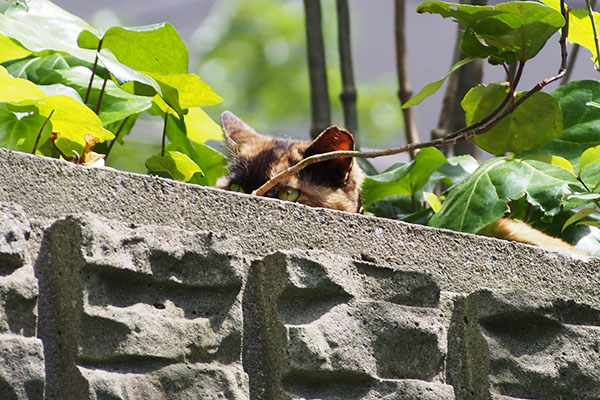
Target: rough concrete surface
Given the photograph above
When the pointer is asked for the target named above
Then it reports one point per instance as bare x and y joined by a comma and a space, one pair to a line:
124, 286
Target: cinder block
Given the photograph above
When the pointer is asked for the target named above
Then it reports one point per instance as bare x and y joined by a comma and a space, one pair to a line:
515, 344
322, 326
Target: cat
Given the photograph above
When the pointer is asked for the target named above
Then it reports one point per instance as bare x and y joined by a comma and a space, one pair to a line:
256, 158
332, 184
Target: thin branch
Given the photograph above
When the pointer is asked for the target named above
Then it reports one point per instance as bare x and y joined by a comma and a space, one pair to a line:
39, 136
89, 89
110, 146
319, 93
467, 133
348, 95
405, 90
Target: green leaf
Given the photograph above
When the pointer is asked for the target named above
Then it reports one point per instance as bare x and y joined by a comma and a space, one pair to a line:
21, 134
483, 197
403, 179
177, 164
200, 127
521, 28
433, 87
581, 125
41, 25
589, 157
591, 176
578, 217
433, 201
555, 160
152, 48
458, 169
129, 79
17, 89
534, 123
184, 91
10, 49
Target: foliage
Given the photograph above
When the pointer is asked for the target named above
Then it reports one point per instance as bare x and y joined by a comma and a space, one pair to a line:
551, 177
77, 87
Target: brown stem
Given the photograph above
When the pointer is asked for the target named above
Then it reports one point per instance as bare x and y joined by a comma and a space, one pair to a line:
110, 146
39, 136
89, 89
319, 93
106, 75
405, 89
164, 134
348, 95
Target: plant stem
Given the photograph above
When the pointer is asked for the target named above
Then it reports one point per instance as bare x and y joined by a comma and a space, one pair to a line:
319, 93
588, 189
404, 88
89, 89
101, 95
164, 135
348, 95
110, 146
593, 19
39, 136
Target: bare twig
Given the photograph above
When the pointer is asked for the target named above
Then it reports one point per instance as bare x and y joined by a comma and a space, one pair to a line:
405, 90
110, 146
466, 133
39, 136
348, 95
89, 89
319, 93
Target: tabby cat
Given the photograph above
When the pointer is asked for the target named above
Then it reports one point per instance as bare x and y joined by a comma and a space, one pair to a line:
331, 184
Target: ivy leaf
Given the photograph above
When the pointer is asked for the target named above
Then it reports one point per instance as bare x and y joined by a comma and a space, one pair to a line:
530, 126
578, 216
581, 125
555, 160
21, 134
404, 179
10, 49
17, 89
41, 25
483, 197
433, 87
177, 164
200, 127
150, 48
521, 28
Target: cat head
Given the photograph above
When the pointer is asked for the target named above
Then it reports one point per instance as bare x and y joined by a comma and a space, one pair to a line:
256, 159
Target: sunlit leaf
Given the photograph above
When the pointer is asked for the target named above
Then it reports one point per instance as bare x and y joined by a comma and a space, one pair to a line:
17, 89
589, 157
200, 127
534, 123
177, 164
555, 160
433, 201
433, 87
10, 49
40, 25
518, 27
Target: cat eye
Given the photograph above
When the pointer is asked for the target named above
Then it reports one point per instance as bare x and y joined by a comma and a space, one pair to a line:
289, 194
236, 188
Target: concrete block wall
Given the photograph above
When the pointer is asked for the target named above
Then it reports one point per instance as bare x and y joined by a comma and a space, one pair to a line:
123, 286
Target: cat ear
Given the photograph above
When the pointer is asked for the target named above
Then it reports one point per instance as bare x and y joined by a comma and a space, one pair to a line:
331, 139
237, 132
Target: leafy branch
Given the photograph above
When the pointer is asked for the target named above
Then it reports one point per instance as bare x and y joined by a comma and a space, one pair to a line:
469, 132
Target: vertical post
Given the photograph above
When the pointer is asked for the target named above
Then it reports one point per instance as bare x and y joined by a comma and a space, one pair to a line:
405, 90
319, 93
348, 95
